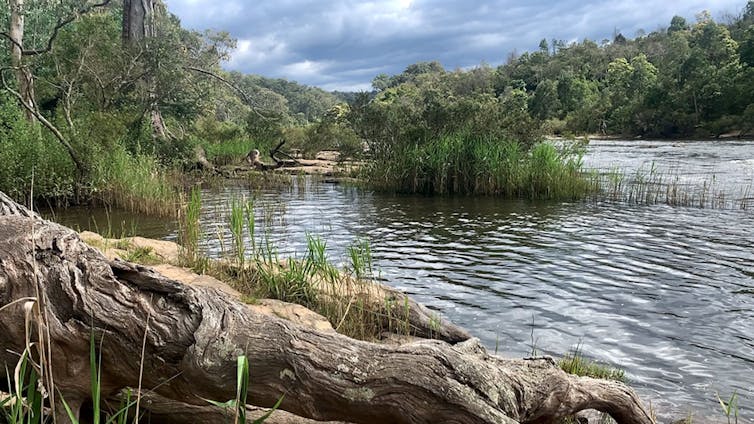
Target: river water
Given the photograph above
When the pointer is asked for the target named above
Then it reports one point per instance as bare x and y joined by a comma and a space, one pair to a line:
666, 293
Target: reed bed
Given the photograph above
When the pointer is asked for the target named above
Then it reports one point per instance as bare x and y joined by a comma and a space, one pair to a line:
137, 183
467, 164
229, 152
464, 163
653, 187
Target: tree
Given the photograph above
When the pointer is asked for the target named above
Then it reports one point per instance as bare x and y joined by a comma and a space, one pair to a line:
24, 78
545, 104
678, 23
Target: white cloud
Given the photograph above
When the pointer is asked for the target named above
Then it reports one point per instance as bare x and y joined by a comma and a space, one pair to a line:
345, 43
304, 69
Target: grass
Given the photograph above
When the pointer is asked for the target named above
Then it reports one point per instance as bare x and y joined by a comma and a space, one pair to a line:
136, 183
730, 408
141, 255
360, 254
238, 405
467, 164
652, 186
229, 152
576, 363
348, 297
190, 230
464, 163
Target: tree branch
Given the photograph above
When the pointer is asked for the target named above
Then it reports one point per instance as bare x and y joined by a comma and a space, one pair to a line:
58, 26
255, 108
43, 120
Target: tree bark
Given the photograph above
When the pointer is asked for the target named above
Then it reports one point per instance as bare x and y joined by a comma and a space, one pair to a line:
138, 27
23, 75
138, 22
193, 336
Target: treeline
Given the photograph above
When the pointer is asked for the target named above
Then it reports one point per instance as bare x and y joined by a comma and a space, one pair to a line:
690, 79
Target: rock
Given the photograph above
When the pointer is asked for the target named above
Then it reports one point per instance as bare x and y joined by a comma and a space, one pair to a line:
186, 276
288, 311
292, 312
164, 250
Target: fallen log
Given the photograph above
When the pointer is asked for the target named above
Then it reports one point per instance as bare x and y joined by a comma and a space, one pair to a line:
167, 411
192, 336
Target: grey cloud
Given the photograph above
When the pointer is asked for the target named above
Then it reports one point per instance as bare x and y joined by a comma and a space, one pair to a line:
343, 44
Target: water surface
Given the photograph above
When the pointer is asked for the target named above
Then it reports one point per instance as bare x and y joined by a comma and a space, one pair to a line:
667, 293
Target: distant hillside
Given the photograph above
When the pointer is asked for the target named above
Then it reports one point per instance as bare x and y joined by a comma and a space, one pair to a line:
302, 103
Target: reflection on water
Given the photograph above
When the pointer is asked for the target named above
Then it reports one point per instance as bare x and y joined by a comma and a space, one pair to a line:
666, 293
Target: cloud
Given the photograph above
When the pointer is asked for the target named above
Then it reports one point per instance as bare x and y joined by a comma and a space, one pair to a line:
343, 44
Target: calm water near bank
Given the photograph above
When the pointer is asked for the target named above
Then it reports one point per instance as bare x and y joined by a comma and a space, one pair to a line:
666, 293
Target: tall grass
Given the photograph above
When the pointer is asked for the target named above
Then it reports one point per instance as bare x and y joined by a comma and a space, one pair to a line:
653, 186
465, 163
234, 151
137, 183
229, 152
360, 254
190, 229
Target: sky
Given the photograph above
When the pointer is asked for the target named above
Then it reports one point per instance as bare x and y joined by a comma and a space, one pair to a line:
343, 44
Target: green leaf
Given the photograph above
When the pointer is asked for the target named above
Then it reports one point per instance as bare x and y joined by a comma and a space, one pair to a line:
267, 415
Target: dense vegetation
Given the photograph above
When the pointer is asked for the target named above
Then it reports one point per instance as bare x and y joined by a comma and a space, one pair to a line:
117, 117
686, 80
127, 112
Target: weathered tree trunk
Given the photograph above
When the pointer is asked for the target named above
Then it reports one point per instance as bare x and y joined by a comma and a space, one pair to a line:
167, 411
23, 75
138, 22
139, 26
193, 336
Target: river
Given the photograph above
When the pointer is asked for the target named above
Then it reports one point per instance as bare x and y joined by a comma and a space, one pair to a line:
666, 293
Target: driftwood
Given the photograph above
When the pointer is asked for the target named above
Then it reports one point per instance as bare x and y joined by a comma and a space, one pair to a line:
193, 335
166, 411
254, 159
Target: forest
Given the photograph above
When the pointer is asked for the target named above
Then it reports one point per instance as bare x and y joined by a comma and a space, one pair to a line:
99, 106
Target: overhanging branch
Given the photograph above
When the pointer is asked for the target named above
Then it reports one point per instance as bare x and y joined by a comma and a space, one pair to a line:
255, 108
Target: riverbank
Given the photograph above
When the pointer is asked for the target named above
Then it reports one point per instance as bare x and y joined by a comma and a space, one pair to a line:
408, 322
193, 337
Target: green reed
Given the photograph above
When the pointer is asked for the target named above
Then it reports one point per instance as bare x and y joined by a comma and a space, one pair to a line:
464, 163
360, 254
576, 363
136, 183
653, 186
236, 223
228, 152
190, 230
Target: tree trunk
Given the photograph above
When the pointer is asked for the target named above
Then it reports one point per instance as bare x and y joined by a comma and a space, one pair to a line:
23, 75
192, 337
138, 27
138, 22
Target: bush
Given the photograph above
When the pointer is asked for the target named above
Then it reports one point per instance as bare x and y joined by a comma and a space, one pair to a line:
29, 154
